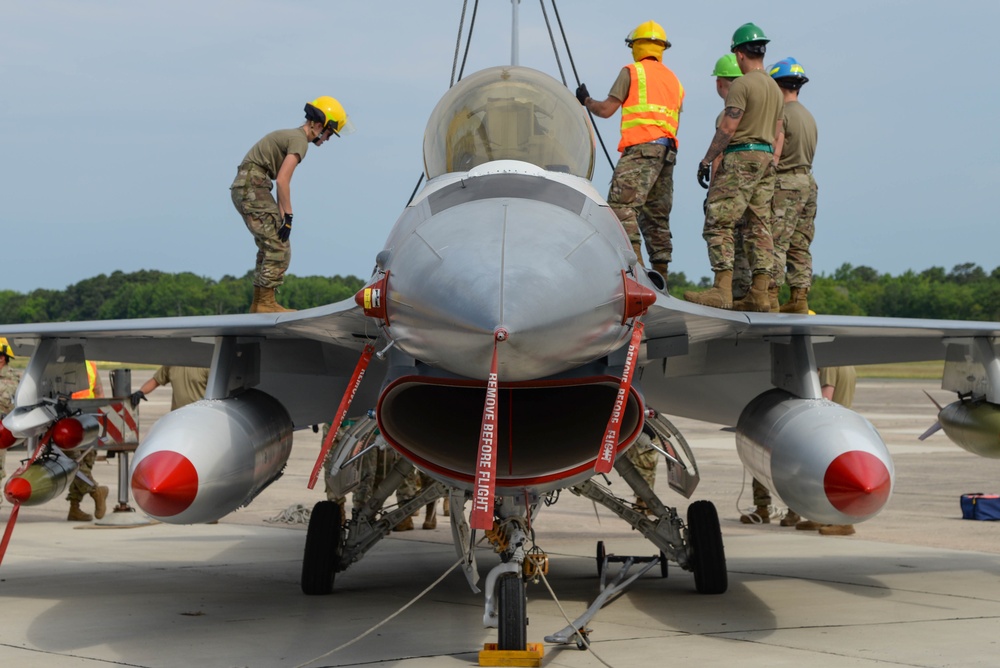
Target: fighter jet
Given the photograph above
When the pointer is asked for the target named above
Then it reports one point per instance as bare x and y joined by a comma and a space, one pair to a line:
511, 345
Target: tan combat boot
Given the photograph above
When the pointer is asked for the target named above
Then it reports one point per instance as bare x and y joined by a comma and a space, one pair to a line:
772, 297
797, 303
446, 507
430, 520
100, 497
661, 269
266, 304
76, 514
790, 519
405, 525
757, 299
719, 296
760, 516
256, 299
808, 525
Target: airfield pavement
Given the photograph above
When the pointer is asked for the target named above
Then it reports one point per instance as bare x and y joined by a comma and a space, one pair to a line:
917, 585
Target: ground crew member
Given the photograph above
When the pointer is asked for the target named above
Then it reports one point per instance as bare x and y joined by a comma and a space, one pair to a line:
794, 202
275, 157
750, 128
643, 456
9, 380
726, 71
651, 98
187, 383
78, 488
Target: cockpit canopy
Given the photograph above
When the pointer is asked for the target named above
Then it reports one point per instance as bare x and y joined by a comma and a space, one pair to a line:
509, 113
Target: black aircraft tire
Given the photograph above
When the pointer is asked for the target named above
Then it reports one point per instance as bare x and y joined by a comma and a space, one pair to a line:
323, 548
708, 557
601, 554
512, 605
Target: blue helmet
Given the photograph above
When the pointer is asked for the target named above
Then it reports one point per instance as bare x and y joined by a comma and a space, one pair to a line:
789, 69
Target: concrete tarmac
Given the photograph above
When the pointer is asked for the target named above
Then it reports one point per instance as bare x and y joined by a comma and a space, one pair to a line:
916, 586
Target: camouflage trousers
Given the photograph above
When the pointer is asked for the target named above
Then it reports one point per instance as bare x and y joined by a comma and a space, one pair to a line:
642, 194
78, 488
793, 228
375, 465
644, 457
761, 494
743, 187
251, 193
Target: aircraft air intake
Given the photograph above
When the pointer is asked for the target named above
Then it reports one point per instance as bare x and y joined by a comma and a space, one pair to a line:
548, 434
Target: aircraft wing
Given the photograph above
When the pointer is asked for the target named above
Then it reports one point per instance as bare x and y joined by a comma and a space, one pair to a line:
708, 363
303, 358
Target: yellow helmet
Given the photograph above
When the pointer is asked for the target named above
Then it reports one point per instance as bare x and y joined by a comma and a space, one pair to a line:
330, 113
5, 348
650, 30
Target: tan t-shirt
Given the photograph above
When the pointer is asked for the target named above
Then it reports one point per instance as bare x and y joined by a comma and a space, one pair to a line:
188, 383
619, 89
761, 101
843, 379
800, 138
271, 151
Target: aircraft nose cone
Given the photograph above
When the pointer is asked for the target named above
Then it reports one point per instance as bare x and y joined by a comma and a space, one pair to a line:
164, 483
542, 272
857, 483
18, 490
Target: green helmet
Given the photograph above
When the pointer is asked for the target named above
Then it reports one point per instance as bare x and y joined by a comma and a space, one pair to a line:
748, 32
727, 67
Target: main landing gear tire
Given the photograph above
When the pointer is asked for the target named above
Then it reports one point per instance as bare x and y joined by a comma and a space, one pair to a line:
512, 631
324, 547
601, 554
708, 557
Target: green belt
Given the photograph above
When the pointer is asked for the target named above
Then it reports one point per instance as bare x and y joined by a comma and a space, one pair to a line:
749, 147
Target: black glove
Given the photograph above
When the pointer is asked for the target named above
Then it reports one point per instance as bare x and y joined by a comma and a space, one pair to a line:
285, 230
704, 174
136, 397
582, 93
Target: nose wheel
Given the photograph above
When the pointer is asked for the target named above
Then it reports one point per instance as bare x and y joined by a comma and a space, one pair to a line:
324, 548
512, 630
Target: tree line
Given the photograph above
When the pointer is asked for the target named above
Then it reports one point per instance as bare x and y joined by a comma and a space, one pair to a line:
967, 292
151, 294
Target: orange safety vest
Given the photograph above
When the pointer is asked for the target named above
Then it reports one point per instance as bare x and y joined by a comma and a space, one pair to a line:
91, 383
653, 107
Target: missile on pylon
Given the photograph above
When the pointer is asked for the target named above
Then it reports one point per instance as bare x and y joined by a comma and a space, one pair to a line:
45, 479
211, 457
79, 431
826, 462
973, 425
7, 438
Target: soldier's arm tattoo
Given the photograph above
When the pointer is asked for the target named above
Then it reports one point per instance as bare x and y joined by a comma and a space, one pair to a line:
727, 128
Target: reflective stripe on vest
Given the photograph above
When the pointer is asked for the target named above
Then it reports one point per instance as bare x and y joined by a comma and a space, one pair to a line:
652, 110
91, 383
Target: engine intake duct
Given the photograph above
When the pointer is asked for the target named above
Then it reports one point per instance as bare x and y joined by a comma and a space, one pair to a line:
546, 432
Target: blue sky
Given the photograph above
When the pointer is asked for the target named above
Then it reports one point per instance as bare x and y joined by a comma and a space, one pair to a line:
123, 121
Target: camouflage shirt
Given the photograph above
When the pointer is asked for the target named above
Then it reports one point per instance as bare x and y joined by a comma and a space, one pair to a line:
9, 380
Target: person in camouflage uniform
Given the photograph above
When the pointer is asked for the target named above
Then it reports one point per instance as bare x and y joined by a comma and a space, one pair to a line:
642, 187
78, 488
275, 157
9, 380
794, 202
751, 126
374, 466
